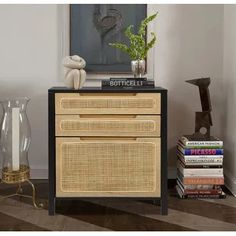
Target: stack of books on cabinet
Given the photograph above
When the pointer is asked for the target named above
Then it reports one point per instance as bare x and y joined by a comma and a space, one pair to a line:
200, 168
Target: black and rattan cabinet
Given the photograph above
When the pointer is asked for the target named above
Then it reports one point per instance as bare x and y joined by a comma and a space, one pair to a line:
105, 143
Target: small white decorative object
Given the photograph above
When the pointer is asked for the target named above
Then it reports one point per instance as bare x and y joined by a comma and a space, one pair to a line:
15, 138
75, 75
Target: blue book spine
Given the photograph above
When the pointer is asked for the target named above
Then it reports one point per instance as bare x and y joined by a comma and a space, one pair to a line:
203, 151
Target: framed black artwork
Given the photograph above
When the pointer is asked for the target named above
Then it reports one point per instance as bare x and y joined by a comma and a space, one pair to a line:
94, 26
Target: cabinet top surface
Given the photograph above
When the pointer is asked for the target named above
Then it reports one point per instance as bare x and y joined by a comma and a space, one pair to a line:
100, 90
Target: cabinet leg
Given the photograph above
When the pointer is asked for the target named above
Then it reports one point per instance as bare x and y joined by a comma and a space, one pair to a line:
164, 206
52, 206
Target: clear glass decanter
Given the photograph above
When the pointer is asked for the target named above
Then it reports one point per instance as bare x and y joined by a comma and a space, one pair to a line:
15, 139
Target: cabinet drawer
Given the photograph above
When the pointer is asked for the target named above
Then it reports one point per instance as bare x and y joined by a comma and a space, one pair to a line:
108, 103
107, 167
108, 125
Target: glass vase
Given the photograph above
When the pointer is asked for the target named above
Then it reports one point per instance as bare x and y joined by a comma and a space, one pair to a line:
138, 68
15, 140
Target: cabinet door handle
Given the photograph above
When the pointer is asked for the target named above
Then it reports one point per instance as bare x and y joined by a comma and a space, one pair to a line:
107, 116
106, 138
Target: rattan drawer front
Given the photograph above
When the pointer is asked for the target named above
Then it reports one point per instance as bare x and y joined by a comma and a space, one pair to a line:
111, 103
122, 167
108, 125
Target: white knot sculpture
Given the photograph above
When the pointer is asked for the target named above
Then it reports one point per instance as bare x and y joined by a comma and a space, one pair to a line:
75, 75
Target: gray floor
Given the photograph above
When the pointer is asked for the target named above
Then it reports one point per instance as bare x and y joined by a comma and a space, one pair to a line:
100, 215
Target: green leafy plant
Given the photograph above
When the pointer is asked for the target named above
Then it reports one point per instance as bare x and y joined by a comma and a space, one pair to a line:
138, 47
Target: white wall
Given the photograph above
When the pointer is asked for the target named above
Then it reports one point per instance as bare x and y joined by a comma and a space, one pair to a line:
29, 66
189, 46
190, 39
229, 85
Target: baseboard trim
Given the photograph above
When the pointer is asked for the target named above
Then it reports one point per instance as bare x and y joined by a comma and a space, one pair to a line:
172, 171
230, 182
36, 173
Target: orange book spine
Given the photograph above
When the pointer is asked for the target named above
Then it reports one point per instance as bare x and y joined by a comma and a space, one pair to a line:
216, 181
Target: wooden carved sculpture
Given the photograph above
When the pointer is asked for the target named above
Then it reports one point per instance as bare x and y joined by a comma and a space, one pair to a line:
203, 119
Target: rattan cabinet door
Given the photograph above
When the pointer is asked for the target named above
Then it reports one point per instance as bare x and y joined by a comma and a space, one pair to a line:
103, 167
108, 103
108, 125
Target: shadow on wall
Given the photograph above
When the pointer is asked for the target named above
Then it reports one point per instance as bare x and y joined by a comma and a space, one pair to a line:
180, 119
229, 128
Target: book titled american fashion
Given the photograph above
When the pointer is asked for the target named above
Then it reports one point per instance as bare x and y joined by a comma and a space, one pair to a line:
189, 142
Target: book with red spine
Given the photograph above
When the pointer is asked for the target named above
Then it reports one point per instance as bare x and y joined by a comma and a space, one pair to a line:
214, 190
200, 180
201, 196
205, 180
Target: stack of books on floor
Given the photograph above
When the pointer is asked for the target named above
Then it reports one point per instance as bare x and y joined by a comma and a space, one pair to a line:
200, 168
127, 83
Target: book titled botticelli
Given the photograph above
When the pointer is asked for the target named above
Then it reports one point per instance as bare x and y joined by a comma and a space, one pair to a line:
128, 83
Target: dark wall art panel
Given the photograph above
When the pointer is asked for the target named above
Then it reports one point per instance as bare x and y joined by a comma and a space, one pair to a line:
93, 26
